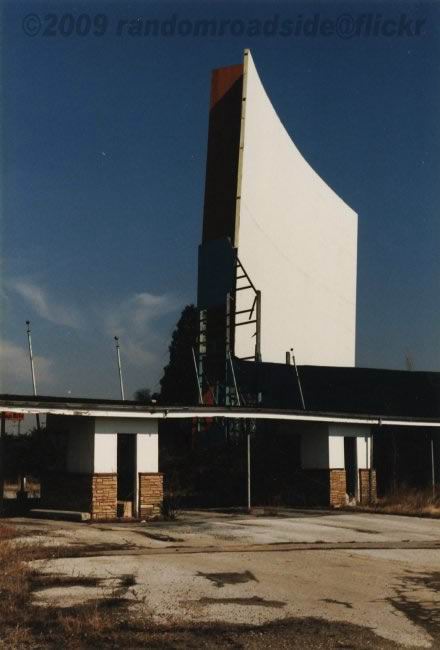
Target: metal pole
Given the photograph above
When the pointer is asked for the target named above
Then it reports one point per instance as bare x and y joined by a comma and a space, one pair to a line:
31, 358
118, 354
249, 469
197, 377
258, 332
432, 466
298, 380
248, 437
370, 483
227, 349
233, 377
2, 461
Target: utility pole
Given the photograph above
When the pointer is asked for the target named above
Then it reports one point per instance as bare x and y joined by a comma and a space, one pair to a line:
298, 380
31, 358
2, 461
433, 467
199, 387
248, 437
118, 356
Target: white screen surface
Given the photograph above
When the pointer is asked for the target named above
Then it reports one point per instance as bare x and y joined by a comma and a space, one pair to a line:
297, 241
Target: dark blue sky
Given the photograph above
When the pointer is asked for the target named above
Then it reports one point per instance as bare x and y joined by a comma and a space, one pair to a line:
103, 159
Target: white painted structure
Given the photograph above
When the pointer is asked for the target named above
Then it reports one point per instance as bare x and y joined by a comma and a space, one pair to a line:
362, 433
296, 239
92, 446
93, 429
322, 446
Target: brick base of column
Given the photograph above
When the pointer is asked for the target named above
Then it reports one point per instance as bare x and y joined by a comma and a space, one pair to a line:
338, 487
150, 494
104, 496
367, 494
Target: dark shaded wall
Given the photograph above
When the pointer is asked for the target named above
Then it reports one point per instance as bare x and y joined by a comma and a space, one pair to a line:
216, 271
223, 153
367, 391
402, 458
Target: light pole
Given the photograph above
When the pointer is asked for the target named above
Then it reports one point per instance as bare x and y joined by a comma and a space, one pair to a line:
2, 464
31, 358
247, 426
298, 380
118, 355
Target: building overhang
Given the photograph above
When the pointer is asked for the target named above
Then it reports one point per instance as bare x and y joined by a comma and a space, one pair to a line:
44, 405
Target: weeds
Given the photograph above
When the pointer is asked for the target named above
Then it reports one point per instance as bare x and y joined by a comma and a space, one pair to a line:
410, 501
169, 508
25, 625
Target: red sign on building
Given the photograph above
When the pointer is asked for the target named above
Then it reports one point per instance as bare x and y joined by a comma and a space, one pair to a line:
9, 415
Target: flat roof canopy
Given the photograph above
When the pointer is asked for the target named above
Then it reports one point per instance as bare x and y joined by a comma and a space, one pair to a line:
86, 407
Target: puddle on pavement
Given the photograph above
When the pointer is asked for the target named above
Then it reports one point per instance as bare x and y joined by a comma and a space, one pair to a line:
222, 579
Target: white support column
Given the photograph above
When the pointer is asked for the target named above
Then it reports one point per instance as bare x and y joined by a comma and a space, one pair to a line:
147, 458
147, 452
336, 456
106, 453
363, 451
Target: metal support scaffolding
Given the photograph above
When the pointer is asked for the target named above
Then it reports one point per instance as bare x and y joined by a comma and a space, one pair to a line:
253, 312
201, 351
209, 352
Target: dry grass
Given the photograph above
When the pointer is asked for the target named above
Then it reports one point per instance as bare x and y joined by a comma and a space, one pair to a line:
27, 626
410, 501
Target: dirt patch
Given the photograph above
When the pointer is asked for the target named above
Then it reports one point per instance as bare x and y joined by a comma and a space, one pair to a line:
424, 612
33, 532
41, 581
110, 623
354, 529
255, 601
160, 537
222, 579
30, 552
337, 602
